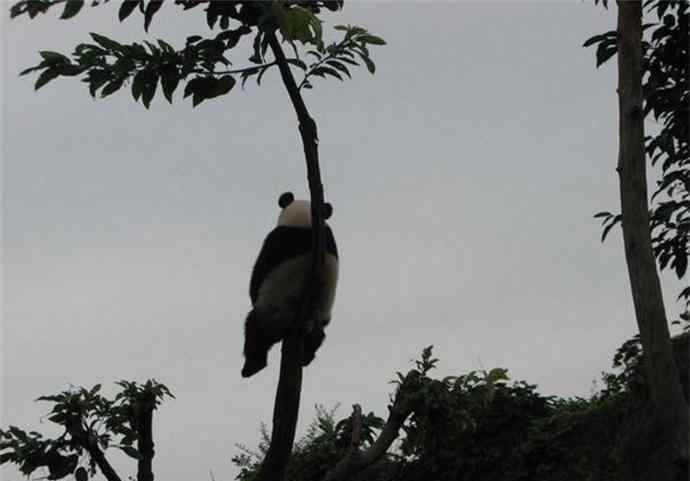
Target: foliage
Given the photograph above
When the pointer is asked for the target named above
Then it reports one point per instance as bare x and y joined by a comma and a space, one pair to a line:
203, 65
322, 446
482, 426
91, 423
666, 99
630, 375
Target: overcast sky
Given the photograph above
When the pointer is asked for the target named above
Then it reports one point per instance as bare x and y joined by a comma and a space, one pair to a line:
464, 176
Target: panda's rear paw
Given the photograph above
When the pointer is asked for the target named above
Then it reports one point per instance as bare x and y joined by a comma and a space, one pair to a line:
308, 357
252, 366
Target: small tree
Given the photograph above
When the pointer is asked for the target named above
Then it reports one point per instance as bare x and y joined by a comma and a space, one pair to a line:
92, 424
662, 92
107, 65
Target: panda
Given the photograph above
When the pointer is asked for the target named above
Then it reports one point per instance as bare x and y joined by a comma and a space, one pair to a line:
278, 280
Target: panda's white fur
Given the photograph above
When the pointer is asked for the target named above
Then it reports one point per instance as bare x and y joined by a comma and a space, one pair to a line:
282, 290
296, 214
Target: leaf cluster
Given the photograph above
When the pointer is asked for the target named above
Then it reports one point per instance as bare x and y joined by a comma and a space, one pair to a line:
30, 451
203, 64
92, 423
33, 8
323, 445
333, 60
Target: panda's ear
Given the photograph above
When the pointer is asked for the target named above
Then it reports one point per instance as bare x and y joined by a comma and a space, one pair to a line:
285, 199
327, 211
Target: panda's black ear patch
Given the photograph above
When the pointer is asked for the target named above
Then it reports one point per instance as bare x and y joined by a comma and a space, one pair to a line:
327, 211
285, 199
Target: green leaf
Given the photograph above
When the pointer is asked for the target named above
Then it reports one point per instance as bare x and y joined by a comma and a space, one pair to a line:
53, 57
69, 70
126, 8
7, 457
606, 231
150, 90
368, 62
72, 8
261, 74
191, 86
151, 9
112, 87
58, 418
96, 79
593, 40
32, 69
138, 84
224, 85
170, 78
165, 46
298, 23
605, 51
45, 77
328, 71
602, 214
337, 65
347, 60
372, 39
130, 451
106, 43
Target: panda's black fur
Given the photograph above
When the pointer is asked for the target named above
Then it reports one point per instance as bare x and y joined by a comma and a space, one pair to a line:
277, 281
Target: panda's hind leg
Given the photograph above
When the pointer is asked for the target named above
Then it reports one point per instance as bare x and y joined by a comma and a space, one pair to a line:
256, 345
312, 342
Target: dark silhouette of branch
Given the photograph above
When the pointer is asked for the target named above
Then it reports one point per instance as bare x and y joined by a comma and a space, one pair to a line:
286, 407
356, 460
356, 426
90, 445
143, 416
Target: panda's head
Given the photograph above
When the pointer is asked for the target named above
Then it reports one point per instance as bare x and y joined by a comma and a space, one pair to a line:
297, 213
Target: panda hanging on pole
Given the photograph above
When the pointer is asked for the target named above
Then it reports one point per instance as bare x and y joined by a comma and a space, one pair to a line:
277, 284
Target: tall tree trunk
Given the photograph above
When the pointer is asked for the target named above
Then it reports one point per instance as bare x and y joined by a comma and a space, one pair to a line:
661, 373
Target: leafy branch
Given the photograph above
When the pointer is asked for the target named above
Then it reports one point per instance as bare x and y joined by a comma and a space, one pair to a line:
107, 65
332, 60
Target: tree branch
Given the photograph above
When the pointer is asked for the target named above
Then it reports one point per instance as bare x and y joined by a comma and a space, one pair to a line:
82, 437
355, 460
143, 416
286, 407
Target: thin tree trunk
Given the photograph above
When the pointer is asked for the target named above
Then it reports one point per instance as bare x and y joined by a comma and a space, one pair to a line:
286, 407
661, 373
144, 426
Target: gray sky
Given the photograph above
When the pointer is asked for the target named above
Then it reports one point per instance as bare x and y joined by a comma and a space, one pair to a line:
464, 177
